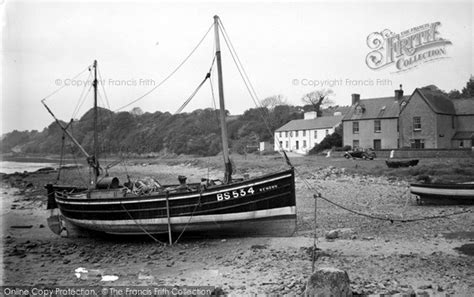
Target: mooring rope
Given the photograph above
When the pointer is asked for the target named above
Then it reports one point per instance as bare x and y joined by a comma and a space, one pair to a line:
190, 218
141, 227
318, 195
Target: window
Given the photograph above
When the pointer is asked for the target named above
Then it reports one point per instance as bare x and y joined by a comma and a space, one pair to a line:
417, 143
355, 144
286, 144
279, 133
286, 134
377, 126
461, 143
304, 143
291, 133
315, 133
327, 132
355, 127
304, 132
416, 124
296, 133
297, 145
377, 144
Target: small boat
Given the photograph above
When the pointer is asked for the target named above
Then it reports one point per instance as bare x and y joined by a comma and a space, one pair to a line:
401, 163
438, 193
263, 205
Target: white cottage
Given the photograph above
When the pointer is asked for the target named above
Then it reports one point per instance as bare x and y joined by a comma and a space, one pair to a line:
300, 136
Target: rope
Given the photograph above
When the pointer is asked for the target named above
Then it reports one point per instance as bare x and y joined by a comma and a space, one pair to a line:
171, 74
103, 88
81, 99
318, 195
80, 102
190, 218
208, 75
247, 82
315, 237
141, 227
64, 85
63, 139
393, 219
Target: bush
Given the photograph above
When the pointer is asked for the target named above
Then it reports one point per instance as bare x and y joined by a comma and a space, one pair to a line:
330, 141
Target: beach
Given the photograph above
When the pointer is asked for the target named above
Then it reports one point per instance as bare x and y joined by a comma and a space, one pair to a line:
430, 257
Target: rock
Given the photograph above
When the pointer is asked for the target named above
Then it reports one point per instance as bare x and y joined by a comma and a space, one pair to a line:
425, 287
333, 234
328, 281
344, 233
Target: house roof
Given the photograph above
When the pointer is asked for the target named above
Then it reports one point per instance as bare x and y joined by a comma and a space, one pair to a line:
437, 102
464, 106
375, 108
317, 123
460, 135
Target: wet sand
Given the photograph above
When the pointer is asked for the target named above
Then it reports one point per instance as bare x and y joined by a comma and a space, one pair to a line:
380, 257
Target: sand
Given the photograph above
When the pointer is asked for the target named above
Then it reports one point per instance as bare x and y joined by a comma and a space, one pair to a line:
380, 257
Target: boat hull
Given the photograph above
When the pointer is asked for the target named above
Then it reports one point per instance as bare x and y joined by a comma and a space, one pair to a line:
444, 193
398, 164
264, 206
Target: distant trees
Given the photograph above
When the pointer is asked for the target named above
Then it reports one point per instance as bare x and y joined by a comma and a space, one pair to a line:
273, 101
318, 98
467, 91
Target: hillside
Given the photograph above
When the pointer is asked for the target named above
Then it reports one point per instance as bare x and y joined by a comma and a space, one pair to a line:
196, 133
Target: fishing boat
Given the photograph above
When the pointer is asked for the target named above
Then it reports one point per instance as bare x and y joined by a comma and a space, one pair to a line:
438, 193
263, 205
401, 163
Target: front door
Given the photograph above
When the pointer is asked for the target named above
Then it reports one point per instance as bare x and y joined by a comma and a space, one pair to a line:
377, 144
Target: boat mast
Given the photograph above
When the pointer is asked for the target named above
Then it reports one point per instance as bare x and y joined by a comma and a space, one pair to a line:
94, 162
222, 112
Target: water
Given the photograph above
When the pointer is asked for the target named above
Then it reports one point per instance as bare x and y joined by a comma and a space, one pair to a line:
12, 167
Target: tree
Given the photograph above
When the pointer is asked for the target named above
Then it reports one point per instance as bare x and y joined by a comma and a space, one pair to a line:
454, 94
468, 90
330, 141
318, 98
136, 111
273, 101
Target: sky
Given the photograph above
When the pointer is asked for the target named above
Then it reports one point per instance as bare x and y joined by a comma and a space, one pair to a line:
287, 48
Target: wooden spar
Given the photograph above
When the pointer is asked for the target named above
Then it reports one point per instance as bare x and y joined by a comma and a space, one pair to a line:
83, 151
95, 161
222, 112
169, 219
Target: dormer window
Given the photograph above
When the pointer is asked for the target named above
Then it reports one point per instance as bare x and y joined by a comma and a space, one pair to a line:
359, 109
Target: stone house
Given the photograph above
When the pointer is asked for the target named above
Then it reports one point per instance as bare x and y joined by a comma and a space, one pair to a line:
429, 119
301, 135
373, 122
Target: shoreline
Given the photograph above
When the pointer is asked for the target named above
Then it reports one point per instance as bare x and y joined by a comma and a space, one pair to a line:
379, 258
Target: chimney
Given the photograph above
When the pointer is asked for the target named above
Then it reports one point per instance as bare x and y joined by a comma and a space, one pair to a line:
355, 99
310, 115
399, 94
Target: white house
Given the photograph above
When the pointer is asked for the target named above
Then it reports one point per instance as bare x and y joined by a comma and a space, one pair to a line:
300, 136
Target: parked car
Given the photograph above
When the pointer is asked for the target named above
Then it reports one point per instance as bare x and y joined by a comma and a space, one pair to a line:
366, 155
